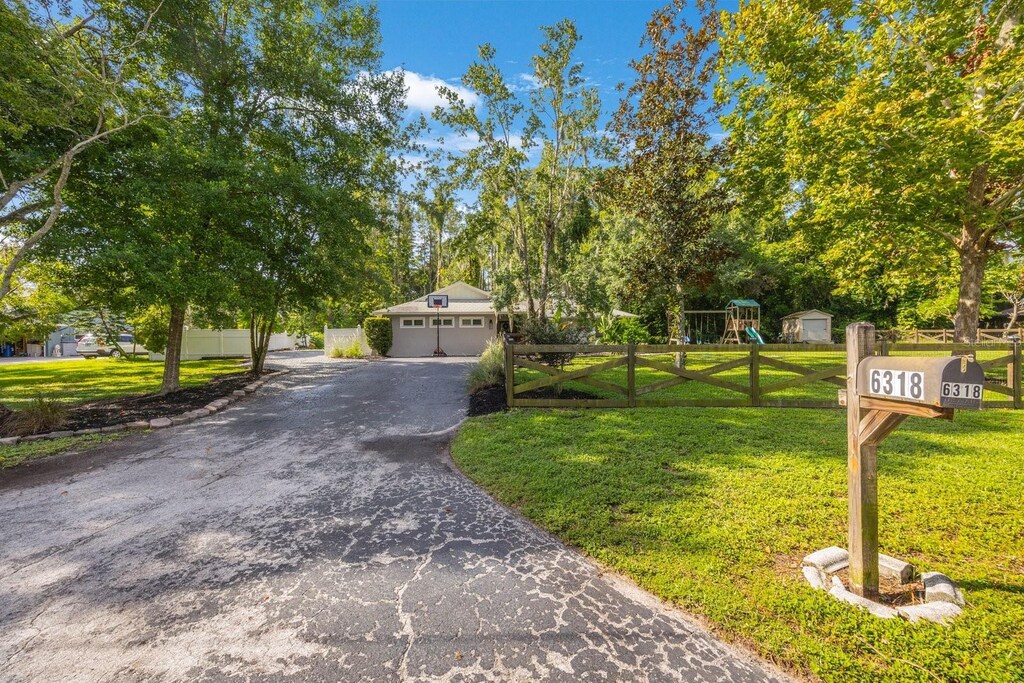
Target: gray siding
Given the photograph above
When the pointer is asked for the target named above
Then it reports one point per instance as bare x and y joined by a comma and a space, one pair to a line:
457, 341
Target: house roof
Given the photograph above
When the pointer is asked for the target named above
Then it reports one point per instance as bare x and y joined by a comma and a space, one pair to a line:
463, 299
804, 314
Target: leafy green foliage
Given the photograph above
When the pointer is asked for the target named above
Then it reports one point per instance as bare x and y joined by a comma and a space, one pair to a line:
887, 136
550, 331
489, 371
713, 509
351, 350
378, 334
150, 328
623, 331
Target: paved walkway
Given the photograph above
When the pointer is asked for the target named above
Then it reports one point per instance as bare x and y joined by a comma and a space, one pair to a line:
314, 532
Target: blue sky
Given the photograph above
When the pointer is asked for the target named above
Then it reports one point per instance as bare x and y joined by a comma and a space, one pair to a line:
436, 40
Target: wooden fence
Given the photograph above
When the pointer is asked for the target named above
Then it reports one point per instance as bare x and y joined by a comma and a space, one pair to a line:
718, 375
997, 335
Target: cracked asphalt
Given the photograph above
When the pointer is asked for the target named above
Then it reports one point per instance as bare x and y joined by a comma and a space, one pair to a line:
314, 532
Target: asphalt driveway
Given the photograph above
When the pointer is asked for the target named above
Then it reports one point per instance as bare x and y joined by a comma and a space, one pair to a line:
314, 532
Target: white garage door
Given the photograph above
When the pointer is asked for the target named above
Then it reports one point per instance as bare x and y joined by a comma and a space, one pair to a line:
815, 330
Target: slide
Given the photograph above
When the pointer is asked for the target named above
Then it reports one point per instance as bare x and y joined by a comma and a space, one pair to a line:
754, 336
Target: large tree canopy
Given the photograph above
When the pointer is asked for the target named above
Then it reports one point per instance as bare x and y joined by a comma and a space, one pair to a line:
891, 131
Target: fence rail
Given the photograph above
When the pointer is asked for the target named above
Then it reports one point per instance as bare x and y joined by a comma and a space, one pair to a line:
985, 335
718, 375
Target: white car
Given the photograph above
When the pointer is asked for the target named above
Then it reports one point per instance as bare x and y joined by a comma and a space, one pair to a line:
92, 346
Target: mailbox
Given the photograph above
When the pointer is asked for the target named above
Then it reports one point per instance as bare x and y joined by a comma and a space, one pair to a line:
956, 382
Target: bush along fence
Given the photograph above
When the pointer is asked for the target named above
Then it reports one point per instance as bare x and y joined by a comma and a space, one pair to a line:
719, 375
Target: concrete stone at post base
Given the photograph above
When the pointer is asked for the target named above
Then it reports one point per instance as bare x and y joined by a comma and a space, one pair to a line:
829, 560
940, 588
815, 577
878, 609
160, 422
935, 612
895, 568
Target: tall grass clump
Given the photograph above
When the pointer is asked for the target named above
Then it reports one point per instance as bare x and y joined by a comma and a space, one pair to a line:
40, 416
351, 350
490, 369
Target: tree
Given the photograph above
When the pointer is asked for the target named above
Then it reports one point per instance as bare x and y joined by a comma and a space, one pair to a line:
559, 116
889, 130
71, 79
671, 180
280, 135
1008, 281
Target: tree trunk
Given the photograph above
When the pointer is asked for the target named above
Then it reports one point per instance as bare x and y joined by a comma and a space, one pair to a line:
260, 328
172, 356
972, 270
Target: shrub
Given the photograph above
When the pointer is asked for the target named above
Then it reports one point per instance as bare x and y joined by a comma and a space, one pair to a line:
378, 334
551, 332
489, 371
351, 350
316, 340
624, 331
42, 415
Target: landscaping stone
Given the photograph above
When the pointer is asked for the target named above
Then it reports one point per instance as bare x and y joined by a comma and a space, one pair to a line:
90, 430
936, 612
238, 392
878, 609
940, 588
62, 434
160, 422
829, 560
212, 408
10, 440
180, 419
35, 437
815, 577
138, 424
895, 568
249, 388
114, 428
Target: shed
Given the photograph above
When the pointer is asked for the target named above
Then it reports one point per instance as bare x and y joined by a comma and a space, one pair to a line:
808, 327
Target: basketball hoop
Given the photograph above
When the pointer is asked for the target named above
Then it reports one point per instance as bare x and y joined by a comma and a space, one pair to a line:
437, 302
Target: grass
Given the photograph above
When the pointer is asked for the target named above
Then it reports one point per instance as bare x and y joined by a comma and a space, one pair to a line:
712, 509
700, 360
489, 371
77, 382
10, 456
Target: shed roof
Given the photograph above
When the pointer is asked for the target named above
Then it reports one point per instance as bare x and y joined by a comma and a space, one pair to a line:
463, 299
745, 303
808, 312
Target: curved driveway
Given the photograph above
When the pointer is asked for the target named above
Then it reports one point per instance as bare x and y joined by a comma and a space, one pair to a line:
314, 532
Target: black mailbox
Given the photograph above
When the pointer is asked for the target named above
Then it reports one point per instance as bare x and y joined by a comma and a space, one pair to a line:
956, 382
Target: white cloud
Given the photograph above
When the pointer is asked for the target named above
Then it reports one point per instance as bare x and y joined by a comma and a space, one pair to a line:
422, 92
462, 142
529, 79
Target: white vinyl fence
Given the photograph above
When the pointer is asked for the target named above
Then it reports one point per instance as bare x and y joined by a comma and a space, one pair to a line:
196, 344
341, 337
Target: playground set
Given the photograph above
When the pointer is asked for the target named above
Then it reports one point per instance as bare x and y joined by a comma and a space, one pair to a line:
739, 322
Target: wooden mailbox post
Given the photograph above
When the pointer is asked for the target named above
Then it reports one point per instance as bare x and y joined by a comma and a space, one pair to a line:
881, 391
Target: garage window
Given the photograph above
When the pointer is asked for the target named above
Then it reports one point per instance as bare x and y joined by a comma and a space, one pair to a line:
412, 323
472, 322
445, 322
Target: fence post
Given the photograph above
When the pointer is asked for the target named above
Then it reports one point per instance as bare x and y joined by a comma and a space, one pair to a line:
631, 374
510, 374
755, 375
1015, 377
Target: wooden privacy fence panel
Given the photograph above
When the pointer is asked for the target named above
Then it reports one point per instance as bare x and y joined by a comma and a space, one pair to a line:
720, 375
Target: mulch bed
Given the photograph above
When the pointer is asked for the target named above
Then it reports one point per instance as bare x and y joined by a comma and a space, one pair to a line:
492, 399
149, 406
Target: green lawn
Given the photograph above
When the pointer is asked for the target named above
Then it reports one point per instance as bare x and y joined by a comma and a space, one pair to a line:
84, 381
712, 509
699, 361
